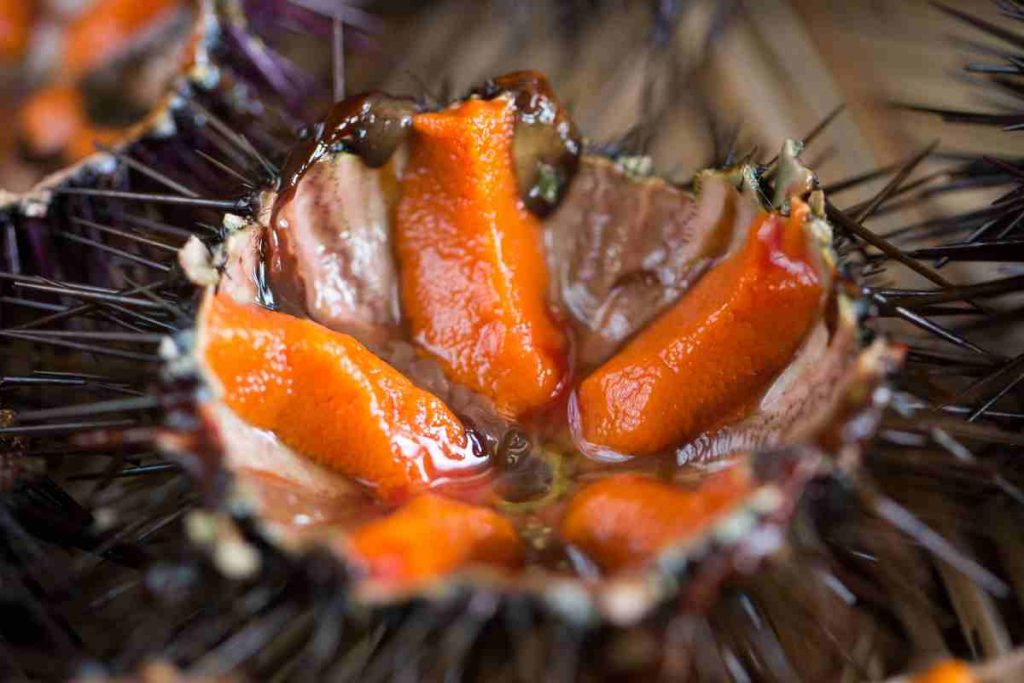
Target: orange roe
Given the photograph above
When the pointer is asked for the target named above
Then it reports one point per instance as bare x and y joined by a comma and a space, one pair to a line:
703, 362
947, 671
432, 536
473, 275
329, 398
52, 118
624, 521
106, 29
15, 28
53, 121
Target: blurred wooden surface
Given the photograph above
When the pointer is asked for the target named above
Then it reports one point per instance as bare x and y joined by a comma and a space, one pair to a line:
771, 70
776, 69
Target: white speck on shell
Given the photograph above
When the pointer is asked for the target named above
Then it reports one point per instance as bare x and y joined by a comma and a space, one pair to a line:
104, 519
625, 603
735, 527
234, 222
197, 262
570, 600
236, 559
200, 527
233, 556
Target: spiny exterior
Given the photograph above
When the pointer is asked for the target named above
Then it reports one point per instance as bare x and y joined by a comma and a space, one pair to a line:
133, 581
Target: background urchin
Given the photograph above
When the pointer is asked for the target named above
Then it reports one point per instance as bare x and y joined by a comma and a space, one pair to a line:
99, 567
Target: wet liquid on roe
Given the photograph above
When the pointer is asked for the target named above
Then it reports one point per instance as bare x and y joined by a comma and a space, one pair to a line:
585, 461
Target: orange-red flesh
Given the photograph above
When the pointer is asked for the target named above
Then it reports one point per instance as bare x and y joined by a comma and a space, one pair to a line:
15, 28
329, 398
624, 521
53, 121
106, 29
473, 274
706, 360
432, 536
947, 671
52, 118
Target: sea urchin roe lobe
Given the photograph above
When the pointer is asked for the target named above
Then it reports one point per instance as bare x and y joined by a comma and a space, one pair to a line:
948, 671
473, 276
106, 28
15, 28
711, 355
326, 396
624, 521
431, 536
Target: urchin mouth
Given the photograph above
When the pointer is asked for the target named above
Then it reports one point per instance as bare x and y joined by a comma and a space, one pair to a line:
829, 381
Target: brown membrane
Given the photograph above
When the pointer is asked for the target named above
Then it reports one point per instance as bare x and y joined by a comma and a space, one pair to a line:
330, 247
622, 248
